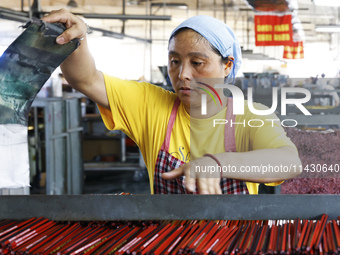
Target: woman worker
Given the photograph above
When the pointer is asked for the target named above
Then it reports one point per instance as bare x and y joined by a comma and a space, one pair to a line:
169, 128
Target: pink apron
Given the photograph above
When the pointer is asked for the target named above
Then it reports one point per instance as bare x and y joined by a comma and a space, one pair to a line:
167, 162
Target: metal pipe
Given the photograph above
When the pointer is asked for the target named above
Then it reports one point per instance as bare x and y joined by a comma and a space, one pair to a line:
10, 11
124, 17
119, 16
13, 17
29, 9
123, 12
214, 8
224, 11
118, 35
36, 9
248, 30
150, 36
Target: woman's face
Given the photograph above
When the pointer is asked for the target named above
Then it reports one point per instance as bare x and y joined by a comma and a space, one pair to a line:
190, 58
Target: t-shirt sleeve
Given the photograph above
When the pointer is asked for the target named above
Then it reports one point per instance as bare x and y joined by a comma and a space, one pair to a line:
139, 109
127, 104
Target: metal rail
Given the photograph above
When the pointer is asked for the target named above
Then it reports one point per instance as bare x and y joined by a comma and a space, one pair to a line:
169, 207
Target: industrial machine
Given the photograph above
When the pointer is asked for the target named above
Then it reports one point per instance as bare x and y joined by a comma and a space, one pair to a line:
170, 224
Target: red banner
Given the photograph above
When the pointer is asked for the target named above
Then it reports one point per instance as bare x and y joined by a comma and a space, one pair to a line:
293, 51
273, 30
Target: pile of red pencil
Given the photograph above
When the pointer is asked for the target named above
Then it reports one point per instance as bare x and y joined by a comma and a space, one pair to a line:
42, 236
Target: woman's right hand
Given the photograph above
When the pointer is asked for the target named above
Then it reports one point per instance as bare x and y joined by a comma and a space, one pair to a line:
75, 27
79, 68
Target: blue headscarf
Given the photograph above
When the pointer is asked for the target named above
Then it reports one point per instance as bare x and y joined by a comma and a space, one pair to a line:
218, 34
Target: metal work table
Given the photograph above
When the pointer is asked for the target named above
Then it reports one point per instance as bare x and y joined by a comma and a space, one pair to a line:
169, 207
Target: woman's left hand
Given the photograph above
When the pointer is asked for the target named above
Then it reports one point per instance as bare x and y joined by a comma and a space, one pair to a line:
196, 173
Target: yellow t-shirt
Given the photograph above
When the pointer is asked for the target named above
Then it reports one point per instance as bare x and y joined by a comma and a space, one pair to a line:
142, 111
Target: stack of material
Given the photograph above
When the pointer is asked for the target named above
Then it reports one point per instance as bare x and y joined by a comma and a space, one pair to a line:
42, 236
319, 153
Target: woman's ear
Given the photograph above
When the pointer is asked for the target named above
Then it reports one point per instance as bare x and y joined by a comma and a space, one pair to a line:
229, 65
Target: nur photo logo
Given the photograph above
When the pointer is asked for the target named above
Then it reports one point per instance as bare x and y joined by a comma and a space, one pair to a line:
239, 102
204, 96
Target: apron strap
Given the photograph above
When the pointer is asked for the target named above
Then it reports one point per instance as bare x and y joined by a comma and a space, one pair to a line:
229, 131
166, 143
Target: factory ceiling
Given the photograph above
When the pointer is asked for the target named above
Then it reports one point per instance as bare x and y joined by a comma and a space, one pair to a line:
120, 18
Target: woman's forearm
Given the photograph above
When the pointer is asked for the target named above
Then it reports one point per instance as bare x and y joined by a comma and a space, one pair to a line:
266, 165
80, 71
79, 68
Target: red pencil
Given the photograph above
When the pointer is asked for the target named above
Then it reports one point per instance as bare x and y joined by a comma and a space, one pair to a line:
295, 233
125, 238
15, 230
137, 248
290, 237
206, 239
155, 236
320, 249
7, 224
54, 244
261, 239
248, 241
31, 234
84, 247
93, 235
228, 248
186, 239
179, 238
39, 240
330, 238
271, 239
265, 246
324, 241
337, 234
204, 230
226, 239
284, 238
215, 240
324, 219
49, 241
100, 246
240, 239
113, 240
313, 233
79, 233
152, 245
254, 240
302, 235
194, 235
167, 243
139, 240
24, 230
307, 235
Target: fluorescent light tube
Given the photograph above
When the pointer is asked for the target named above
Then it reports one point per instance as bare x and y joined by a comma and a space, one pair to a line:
335, 3
327, 28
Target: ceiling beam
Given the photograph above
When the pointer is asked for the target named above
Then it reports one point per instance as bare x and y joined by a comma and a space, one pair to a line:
124, 17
